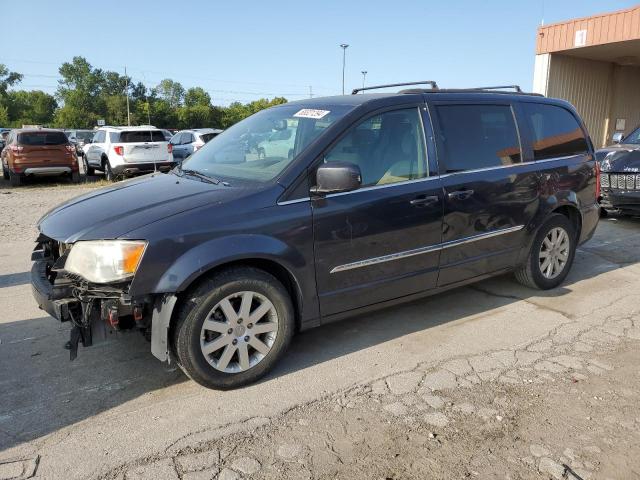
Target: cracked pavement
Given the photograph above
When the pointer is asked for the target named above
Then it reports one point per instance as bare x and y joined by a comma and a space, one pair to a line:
489, 380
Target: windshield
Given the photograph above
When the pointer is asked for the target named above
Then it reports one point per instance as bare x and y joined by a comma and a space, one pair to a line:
260, 147
634, 137
84, 135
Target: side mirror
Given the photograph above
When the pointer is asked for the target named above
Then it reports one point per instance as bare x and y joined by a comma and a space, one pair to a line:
617, 137
336, 177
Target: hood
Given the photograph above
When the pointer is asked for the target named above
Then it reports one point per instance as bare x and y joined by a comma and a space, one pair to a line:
619, 158
112, 211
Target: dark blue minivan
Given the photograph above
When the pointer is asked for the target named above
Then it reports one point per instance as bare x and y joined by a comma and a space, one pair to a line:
313, 211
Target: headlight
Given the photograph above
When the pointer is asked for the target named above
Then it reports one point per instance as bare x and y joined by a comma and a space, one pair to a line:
105, 261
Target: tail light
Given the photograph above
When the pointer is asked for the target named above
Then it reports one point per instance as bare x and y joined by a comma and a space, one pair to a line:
169, 148
71, 148
597, 181
119, 149
16, 148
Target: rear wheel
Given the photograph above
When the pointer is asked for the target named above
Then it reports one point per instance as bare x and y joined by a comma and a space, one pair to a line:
75, 177
15, 179
551, 254
108, 173
88, 171
233, 328
5, 172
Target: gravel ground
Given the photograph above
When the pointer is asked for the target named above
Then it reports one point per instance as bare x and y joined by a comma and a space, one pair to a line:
489, 381
22, 207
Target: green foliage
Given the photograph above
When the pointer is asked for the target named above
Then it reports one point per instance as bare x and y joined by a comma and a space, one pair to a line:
86, 94
33, 107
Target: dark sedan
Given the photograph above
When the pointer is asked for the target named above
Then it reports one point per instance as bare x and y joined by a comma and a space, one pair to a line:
620, 179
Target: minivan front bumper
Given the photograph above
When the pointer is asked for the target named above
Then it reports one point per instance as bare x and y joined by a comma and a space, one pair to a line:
97, 312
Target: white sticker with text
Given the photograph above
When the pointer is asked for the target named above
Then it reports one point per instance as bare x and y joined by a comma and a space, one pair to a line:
311, 113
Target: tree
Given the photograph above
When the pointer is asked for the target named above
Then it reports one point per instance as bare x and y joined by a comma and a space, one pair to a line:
7, 79
33, 107
170, 91
196, 96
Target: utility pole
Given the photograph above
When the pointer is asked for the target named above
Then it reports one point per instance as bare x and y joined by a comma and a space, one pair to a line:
344, 61
364, 75
127, 93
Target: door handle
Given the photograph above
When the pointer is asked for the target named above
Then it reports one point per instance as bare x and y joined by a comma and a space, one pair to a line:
425, 201
460, 194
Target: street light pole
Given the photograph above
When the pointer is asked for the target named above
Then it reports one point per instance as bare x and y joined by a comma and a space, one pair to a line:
364, 76
344, 61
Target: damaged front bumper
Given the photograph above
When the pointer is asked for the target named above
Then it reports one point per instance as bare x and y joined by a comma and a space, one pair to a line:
97, 312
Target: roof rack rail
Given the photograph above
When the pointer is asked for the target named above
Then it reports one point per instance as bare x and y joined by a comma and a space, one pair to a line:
434, 86
500, 87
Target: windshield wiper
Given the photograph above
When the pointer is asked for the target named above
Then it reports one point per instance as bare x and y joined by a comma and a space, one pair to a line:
201, 176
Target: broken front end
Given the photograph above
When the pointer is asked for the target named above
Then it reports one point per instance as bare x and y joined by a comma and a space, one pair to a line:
88, 284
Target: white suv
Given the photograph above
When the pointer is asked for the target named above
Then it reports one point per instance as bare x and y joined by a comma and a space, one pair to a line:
127, 151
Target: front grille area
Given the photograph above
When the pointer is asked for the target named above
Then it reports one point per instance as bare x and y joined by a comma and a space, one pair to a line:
620, 181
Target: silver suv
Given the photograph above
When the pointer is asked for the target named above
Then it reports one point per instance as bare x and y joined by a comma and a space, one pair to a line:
125, 151
185, 142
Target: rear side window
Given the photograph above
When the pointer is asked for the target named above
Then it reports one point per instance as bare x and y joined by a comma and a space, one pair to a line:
476, 136
205, 137
42, 138
555, 131
136, 136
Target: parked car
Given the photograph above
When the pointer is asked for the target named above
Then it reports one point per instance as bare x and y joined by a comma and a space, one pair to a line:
185, 142
386, 198
4, 134
38, 152
167, 134
126, 151
620, 180
79, 138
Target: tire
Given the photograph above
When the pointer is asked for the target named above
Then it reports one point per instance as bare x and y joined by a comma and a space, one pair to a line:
189, 337
531, 273
88, 171
16, 180
108, 173
75, 177
5, 173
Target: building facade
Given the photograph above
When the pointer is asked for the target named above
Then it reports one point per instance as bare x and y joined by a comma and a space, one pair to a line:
594, 63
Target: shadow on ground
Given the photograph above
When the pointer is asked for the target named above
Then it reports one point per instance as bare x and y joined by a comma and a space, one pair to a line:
42, 391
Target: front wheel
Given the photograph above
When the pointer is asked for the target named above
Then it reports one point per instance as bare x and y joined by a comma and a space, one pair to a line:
551, 254
233, 328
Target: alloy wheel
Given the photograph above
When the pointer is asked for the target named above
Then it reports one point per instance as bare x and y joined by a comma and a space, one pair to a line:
239, 332
554, 252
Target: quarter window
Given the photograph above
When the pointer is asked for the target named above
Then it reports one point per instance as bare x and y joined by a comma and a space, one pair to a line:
388, 148
555, 131
476, 136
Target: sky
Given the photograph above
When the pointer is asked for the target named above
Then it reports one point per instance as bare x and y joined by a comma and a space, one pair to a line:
245, 50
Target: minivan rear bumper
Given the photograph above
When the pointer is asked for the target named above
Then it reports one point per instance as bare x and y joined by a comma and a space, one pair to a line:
137, 168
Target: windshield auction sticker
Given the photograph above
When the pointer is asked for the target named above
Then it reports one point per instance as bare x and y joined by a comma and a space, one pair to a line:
311, 113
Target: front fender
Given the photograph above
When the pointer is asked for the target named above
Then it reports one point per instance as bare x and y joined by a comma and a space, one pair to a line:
206, 256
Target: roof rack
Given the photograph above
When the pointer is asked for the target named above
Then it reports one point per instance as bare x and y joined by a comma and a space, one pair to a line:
500, 87
434, 86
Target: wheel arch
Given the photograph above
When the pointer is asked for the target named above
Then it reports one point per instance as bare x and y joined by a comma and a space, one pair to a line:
572, 212
269, 265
